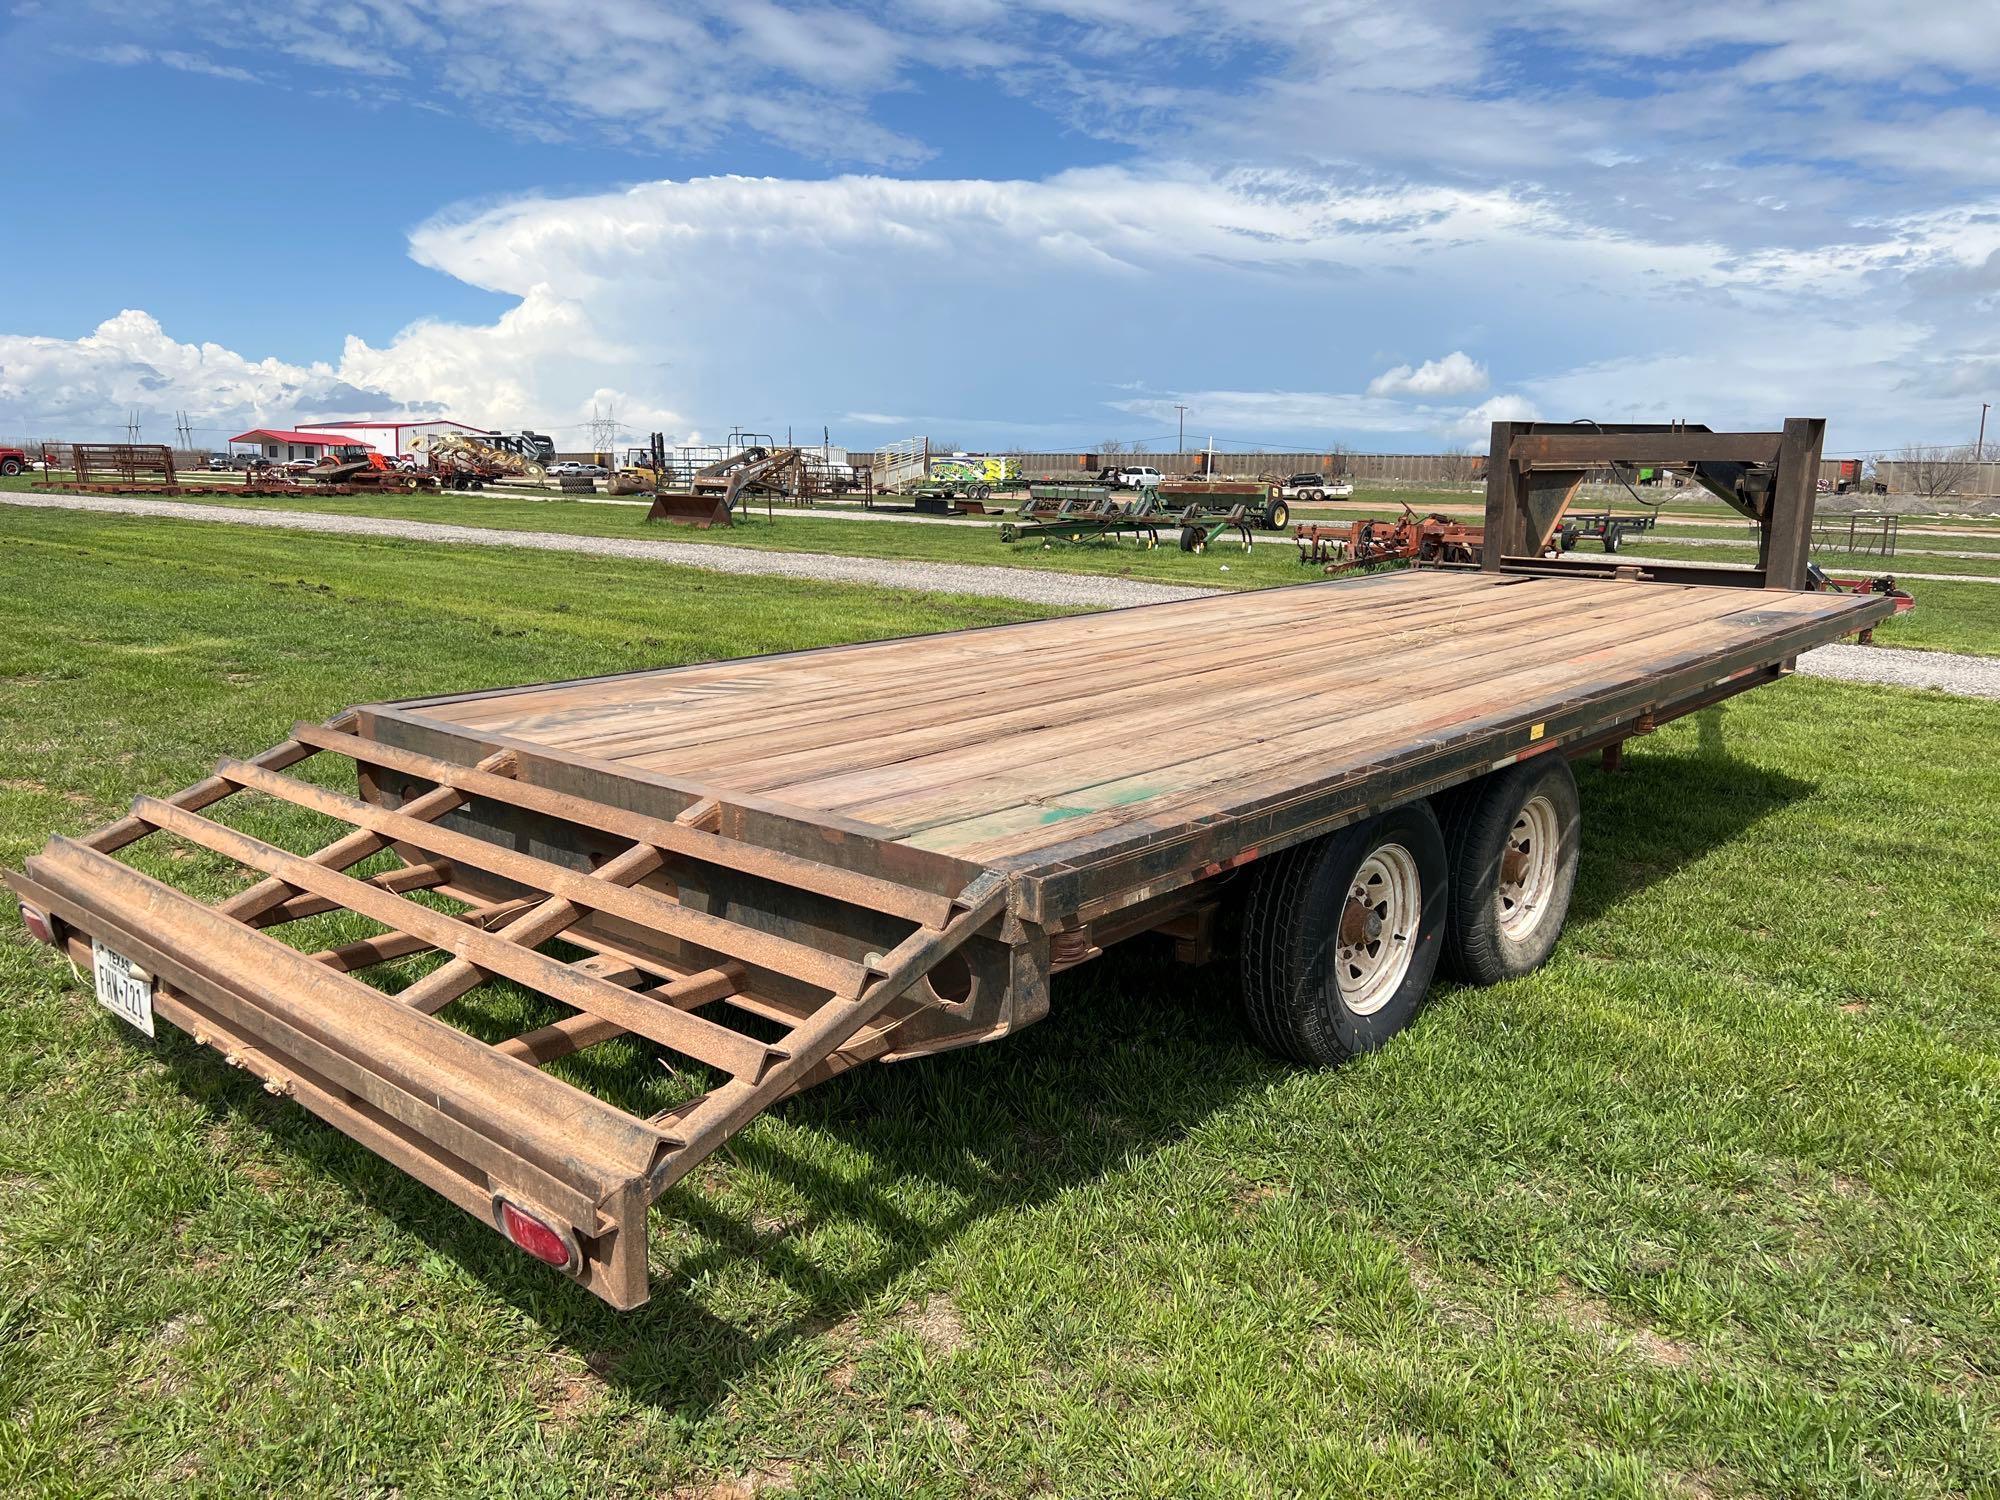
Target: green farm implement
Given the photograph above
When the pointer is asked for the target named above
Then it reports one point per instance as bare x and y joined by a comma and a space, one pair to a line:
1092, 512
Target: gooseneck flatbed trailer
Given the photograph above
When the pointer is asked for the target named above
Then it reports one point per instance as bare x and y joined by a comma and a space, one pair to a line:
767, 871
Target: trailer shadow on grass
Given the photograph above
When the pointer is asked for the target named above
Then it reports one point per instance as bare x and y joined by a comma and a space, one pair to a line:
891, 1162
882, 1169
1664, 811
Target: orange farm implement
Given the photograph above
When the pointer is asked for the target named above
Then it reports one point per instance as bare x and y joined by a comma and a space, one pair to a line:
1434, 541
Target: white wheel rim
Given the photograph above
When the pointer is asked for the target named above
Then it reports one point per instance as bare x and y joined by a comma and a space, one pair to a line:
1377, 936
1528, 868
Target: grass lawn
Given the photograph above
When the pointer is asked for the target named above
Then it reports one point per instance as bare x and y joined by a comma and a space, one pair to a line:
1709, 1206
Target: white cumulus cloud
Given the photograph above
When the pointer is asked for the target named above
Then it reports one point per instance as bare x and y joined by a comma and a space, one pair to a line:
1475, 426
1457, 374
1031, 304
532, 366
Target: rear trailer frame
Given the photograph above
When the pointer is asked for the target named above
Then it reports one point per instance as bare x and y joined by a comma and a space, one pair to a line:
764, 941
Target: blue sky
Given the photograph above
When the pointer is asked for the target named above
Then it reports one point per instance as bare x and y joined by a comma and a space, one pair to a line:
1308, 221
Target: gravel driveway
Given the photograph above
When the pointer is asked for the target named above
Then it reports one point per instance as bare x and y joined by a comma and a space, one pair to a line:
1947, 672
1970, 676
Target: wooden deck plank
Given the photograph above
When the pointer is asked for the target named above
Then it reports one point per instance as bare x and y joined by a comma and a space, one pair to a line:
1078, 694
1000, 741
1534, 693
791, 693
1242, 712
540, 706
921, 700
715, 690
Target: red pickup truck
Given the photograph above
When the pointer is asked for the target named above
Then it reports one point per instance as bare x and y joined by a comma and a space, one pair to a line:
12, 461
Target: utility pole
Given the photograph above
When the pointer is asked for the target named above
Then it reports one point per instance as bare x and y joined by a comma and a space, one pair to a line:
1984, 407
132, 430
1180, 444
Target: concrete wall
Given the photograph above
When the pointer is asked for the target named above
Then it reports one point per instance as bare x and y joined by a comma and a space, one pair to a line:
1981, 481
1363, 468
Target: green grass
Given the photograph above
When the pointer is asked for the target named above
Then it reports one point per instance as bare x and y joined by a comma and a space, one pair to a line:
1962, 617
1709, 1206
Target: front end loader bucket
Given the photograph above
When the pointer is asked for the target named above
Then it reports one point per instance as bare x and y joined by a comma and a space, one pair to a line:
703, 510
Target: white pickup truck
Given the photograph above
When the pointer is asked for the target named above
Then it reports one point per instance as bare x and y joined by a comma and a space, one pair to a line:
1316, 487
1140, 477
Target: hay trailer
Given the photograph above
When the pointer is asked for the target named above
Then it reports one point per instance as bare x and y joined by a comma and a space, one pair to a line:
773, 870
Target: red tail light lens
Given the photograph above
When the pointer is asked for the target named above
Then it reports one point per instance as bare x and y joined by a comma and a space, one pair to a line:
541, 1239
41, 926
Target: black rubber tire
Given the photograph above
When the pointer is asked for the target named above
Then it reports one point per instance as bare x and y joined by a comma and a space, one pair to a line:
1477, 819
1276, 517
1610, 541
1191, 538
10, 466
1291, 919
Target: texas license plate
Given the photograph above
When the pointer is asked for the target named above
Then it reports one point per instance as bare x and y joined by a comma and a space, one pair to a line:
123, 988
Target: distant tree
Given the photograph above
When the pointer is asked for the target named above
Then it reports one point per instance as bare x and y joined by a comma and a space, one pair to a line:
1461, 465
1340, 459
1935, 470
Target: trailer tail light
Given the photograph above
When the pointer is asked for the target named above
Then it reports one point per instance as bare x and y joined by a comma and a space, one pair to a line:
541, 1239
41, 926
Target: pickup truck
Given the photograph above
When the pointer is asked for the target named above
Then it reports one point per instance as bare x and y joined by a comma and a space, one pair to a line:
1141, 477
1316, 487
13, 461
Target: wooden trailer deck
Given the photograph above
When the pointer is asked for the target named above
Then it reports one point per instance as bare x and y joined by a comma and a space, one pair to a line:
1020, 746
